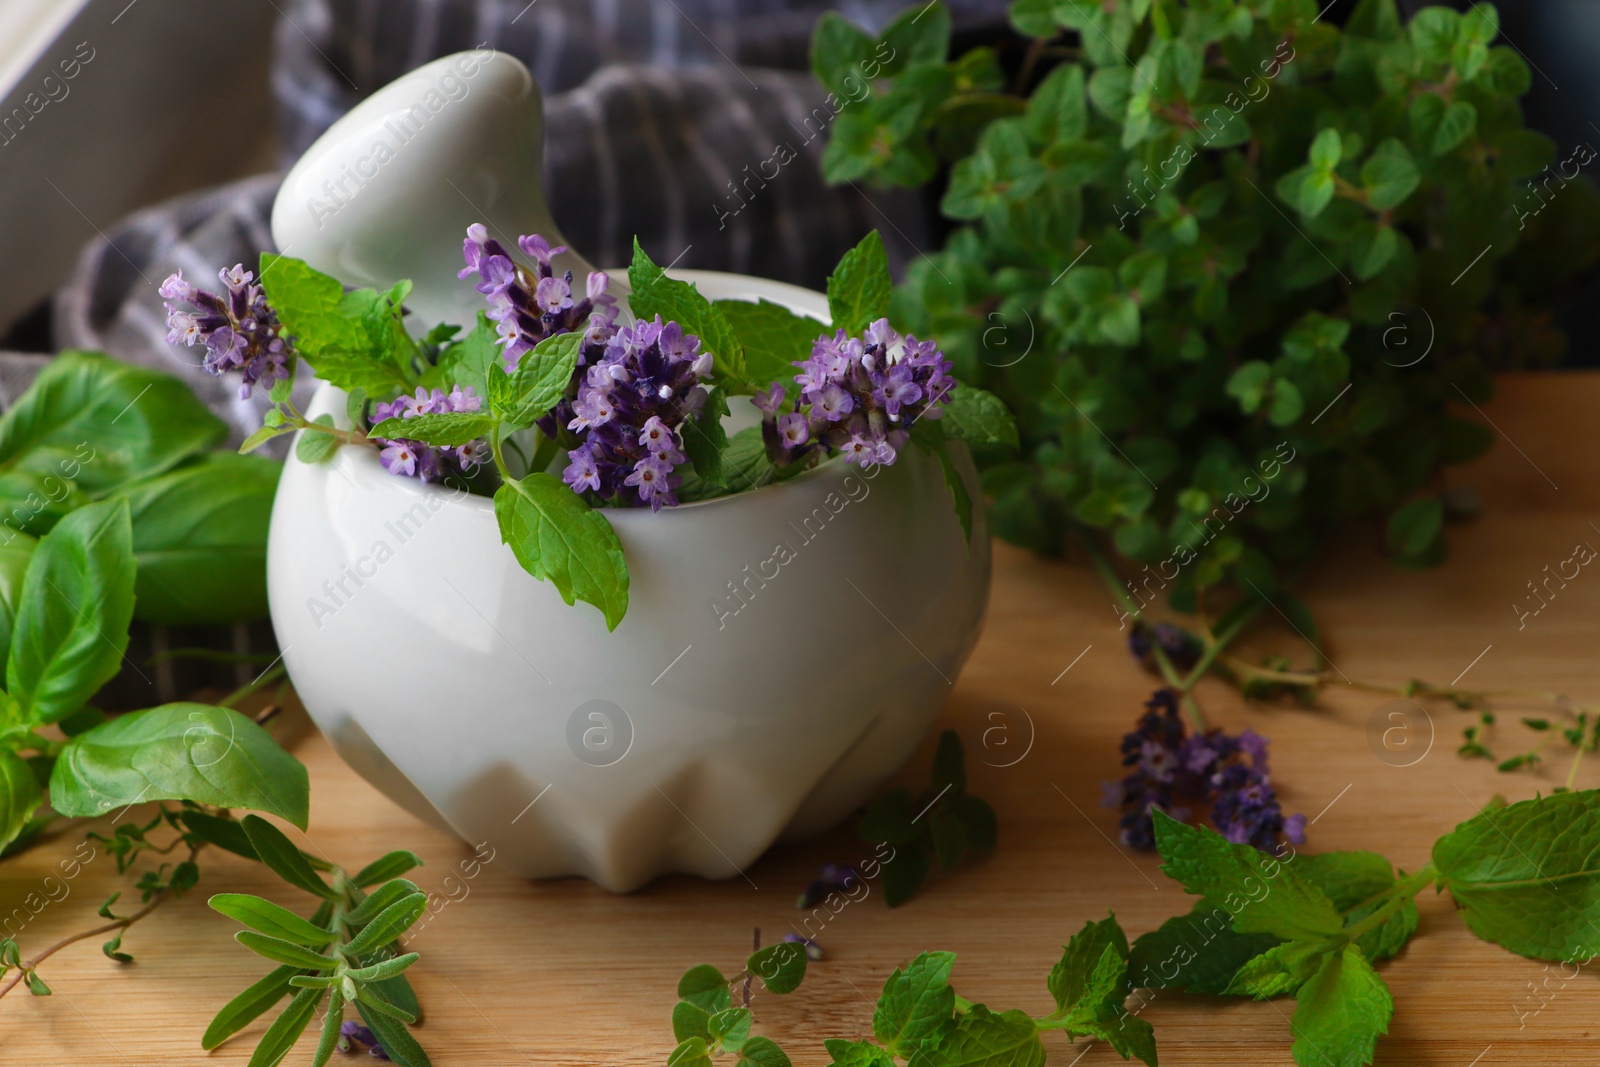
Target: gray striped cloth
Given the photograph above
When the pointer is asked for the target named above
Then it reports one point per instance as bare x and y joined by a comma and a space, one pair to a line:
653, 107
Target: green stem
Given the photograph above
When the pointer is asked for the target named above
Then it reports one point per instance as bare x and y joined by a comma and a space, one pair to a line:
266, 678
1399, 895
963, 1005
1572, 771
1220, 641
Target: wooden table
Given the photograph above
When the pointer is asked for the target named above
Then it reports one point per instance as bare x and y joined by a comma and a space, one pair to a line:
565, 973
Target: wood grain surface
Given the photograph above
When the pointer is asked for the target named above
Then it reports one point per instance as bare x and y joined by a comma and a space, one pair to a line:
565, 973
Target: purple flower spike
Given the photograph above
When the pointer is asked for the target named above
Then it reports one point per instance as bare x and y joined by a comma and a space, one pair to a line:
1228, 773
528, 305
238, 328
413, 459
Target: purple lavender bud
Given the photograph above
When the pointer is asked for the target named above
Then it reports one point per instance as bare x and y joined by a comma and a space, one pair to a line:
812, 949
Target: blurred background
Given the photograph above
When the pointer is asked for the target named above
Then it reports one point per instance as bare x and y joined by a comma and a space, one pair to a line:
140, 136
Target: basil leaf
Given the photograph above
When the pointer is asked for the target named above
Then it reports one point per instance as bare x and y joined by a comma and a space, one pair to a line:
447, 429
72, 625
781, 967
286, 1029
200, 540
1341, 1011
542, 377
916, 1003
20, 795
279, 853
195, 752
268, 918
89, 424
1527, 876
15, 554
676, 301
1209, 865
558, 538
245, 1008
774, 338
382, 869
858, 289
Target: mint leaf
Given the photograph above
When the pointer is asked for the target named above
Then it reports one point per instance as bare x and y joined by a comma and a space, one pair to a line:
704, 440
916, 1003
978, 418
1415, 526
1197, 953
858, 289
1284, 968
1263, 894
1527, 876
781, 967
856, 1054
20, 795
676, 301
446, 429
200, 540
466, 363
762, 1052
348, 338
72, 623
730, 1029
558, 538
542, 377
1077, 981
839, 48
774, 338
1341, 1012
1351, 880
692, 1052
980, 1038
196, 752
957, 486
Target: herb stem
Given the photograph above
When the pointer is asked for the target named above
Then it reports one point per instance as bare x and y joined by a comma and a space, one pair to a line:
266, 678
1572, 771
161, 896
1399, 895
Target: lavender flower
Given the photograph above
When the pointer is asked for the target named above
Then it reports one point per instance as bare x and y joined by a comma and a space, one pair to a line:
631, 412
529, 305
352, 1032
1228, 773
813, 950
239, 329
414, 459
1182, 648
860, 396
833, 878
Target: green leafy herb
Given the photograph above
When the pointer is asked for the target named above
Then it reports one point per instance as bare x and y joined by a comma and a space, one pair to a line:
677, 301
559, 538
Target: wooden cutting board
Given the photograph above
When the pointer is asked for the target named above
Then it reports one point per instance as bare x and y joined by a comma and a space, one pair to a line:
565, 973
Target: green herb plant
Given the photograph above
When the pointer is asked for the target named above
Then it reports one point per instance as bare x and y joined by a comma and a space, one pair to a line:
1267, 926
358, 342
1190, 238
944, 824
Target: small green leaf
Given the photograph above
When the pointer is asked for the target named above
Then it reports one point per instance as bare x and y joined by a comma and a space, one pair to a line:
1326, 150
279, 853
691, 1052
1196, 953
858, 289
1078, 982
1414, 526
558, 538
36, 985
332, 1019
372, 1000
379, 899
915, 1005
466, 363
676, 301
781, 967
262, 436
978, 418
957, 486
446, 429
980, 1038
730, 1029
705, 987
268, 918
1389, 175
1283, 968
1209, 865
224, 833
20, 795
391, 865
857, 1053
1455, 126
286, 952
762, 1052
386, 969
389, 924
314, 446
542, 377
1341, 1012
347, 337
195, 752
